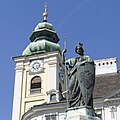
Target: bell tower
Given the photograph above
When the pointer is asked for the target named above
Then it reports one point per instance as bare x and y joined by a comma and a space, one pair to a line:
39, 70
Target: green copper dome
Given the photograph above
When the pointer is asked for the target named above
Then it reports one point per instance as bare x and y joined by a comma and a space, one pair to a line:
43, 39
44, 29
44, 25
42, 46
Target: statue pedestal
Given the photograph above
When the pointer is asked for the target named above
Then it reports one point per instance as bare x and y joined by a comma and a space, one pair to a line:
81, 113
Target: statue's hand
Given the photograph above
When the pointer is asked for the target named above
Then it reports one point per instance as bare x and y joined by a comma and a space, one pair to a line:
82, 63
63, 55
64, 51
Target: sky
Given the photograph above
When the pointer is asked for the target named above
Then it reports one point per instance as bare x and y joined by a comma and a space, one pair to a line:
95, 23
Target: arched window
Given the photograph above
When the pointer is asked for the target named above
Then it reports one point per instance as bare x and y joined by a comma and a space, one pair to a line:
35, 85
53, 97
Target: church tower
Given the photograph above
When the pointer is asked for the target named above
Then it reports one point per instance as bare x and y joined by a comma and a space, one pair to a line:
38, 71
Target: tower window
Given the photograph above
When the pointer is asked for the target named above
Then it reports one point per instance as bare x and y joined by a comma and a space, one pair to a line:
35, 85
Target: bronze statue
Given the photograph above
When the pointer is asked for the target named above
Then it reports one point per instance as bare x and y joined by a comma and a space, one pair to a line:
81, 74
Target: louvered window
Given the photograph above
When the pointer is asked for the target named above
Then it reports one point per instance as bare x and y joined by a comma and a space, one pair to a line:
35, 85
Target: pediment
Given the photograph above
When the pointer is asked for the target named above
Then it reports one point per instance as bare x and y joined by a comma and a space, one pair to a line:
52, 91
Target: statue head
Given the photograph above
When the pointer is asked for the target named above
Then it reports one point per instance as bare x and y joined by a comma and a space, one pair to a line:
79, 49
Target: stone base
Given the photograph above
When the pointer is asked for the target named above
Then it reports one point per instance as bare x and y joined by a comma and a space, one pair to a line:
81, 113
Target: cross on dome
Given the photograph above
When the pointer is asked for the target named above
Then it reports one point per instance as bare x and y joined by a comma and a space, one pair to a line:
45, 14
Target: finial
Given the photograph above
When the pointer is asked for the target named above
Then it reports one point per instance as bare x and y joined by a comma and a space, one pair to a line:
45, 14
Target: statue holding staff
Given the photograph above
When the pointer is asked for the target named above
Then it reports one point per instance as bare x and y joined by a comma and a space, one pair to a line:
81, 74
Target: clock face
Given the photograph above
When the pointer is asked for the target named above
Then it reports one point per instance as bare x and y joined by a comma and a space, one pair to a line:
36, 66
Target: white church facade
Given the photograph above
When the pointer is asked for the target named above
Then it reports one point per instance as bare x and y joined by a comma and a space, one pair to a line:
40, 80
